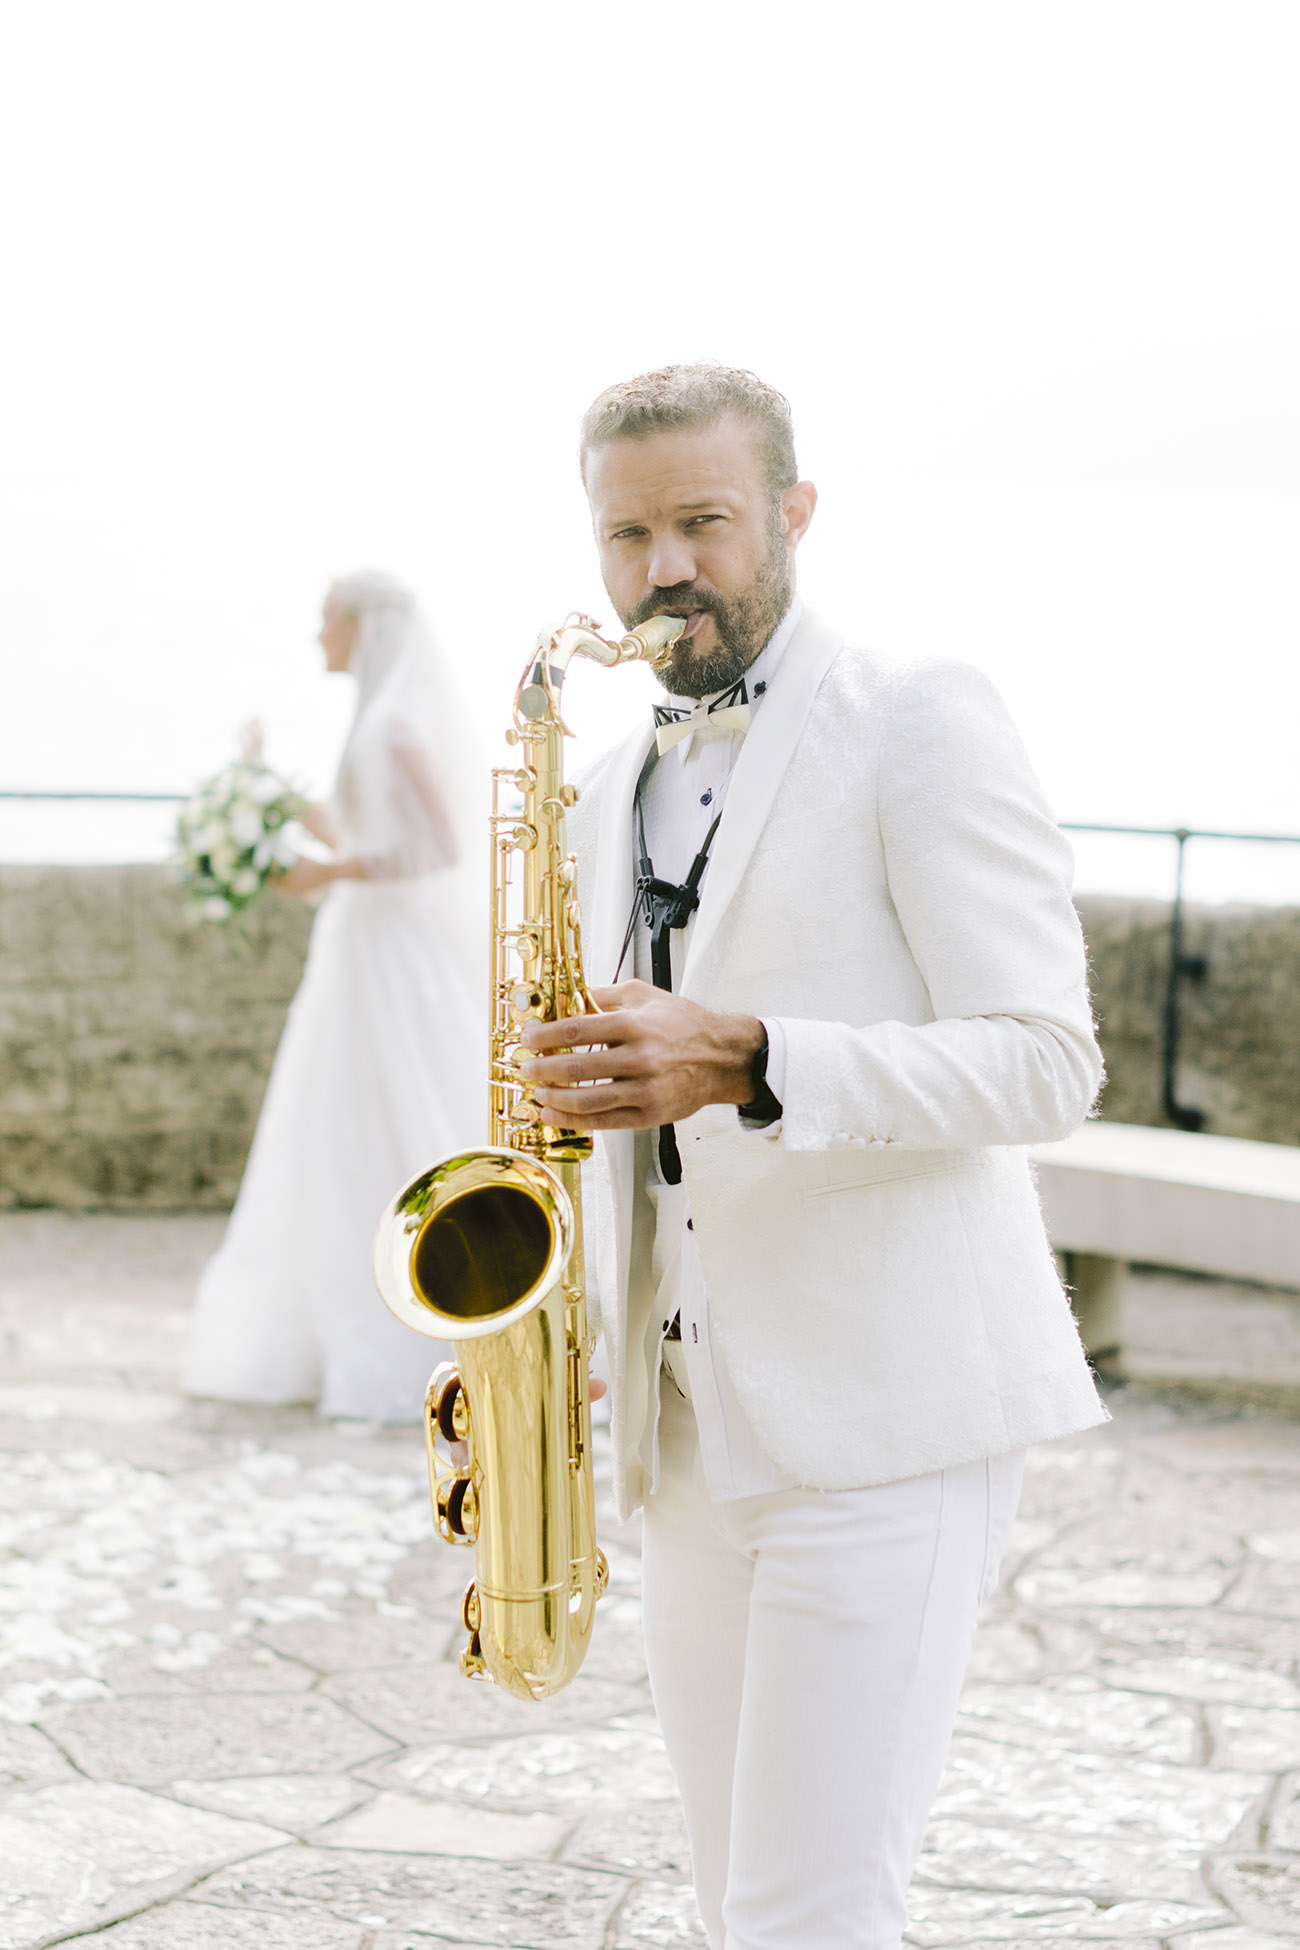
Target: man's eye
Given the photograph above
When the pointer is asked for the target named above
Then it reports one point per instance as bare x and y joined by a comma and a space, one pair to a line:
627, 534
697, 521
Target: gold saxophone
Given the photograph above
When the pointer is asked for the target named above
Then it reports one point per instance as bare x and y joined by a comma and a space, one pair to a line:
485, 1248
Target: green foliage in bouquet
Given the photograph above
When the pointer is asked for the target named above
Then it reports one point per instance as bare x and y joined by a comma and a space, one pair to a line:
233, 835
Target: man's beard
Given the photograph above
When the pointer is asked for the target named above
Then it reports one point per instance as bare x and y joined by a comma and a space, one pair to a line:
743, 624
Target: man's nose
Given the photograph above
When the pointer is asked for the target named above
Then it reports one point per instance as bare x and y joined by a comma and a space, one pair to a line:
671, 561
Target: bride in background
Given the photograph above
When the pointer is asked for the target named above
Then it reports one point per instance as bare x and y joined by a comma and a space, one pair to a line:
381, 1066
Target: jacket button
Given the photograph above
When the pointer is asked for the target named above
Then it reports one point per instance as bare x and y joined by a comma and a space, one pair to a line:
690, 1225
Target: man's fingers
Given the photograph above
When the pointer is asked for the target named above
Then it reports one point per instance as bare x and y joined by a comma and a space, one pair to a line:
625, 995
602, 1066
573, 1032
612, 1120
587, 1100
624, 1119
612, 1026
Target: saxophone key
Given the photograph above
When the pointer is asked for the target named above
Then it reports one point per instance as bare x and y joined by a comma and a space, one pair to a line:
458, 1509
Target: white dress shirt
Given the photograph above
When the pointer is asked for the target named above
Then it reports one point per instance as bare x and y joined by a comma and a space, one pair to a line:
682, 797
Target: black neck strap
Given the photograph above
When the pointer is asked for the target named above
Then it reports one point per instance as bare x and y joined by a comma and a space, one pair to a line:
664, 906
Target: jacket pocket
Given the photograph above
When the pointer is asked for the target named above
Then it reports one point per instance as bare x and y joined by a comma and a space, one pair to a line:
857, 1172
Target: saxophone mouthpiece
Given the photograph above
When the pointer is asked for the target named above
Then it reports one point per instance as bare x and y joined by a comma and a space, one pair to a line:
652, 641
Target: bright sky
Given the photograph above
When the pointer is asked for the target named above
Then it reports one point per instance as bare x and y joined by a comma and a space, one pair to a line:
296, 287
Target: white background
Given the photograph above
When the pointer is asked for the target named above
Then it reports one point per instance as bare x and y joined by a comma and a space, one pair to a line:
294, 287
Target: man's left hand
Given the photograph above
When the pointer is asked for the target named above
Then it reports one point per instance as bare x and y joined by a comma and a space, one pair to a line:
648, 1058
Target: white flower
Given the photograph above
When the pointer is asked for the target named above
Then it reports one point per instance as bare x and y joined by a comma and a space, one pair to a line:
230, 833
245, 826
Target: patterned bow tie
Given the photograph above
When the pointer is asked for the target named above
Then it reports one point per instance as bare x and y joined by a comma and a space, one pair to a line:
729, 712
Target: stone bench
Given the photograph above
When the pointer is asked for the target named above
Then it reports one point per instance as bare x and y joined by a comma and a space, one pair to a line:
1182, 1251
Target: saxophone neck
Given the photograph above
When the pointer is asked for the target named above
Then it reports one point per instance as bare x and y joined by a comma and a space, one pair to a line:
650, 642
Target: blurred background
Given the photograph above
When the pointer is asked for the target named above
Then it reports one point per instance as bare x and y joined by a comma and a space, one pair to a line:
300, 287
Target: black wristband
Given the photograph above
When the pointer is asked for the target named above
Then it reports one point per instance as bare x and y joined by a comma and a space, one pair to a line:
764, 1107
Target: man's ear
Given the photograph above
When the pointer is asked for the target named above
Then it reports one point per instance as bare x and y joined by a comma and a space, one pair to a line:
797, 505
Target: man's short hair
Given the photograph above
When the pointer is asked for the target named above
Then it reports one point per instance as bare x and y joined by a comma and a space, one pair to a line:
695, 396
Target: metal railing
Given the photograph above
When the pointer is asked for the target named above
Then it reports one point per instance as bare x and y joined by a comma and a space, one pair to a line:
1182, 966
137, 798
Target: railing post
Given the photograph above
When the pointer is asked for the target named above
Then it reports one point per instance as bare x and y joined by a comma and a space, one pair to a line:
1182, 1116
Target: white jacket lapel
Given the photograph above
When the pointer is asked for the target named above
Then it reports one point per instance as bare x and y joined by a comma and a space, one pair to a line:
611, 904
759, 770
613, 878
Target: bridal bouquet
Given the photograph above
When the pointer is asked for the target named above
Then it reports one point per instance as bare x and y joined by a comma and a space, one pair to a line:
233, 834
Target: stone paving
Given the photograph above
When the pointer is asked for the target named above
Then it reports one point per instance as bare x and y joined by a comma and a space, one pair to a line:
230, 1715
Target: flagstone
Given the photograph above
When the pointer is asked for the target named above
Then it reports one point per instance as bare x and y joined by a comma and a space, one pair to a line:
245, 1611
946, 1919
1065, 1481
414, 1823
660, 1916
1251, 1504
432, 1579
641, 1838
585, 1768
298, 1803
1213, 1654
617, 1649
1248, 1443
79, 1855
1232, 1939
517, 1906
91, 1331
1209, 1679
354, 1640
30, 1759
1007, 1647
1106, 1867
1073, 1793
149, 1741
1079, 1713
1270, 1581
1284, 1822
1128, 1559
416, 1703
418, 1940
1039, 1942
201, 1926
1256, 1739
201, 1661
85, 1405
1264, 1890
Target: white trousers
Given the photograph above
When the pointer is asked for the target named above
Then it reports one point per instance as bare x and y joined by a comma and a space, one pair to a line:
806, 1653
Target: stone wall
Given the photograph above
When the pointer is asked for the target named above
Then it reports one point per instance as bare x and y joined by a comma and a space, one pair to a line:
134, 1048
1239, 1050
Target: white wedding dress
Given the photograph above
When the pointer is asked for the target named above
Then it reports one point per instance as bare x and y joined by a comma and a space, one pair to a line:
380, 1071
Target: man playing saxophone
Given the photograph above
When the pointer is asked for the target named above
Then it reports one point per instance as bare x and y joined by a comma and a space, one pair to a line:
843, 986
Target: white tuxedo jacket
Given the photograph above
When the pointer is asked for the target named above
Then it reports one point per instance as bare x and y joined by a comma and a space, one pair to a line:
888, 882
